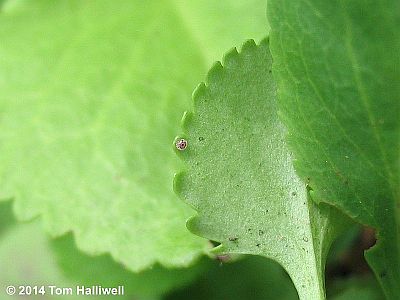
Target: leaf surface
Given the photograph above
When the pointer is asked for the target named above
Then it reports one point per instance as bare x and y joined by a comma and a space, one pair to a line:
91, 93
363, 287
337, 67
89, 271
252, 277
29, 257
240, 177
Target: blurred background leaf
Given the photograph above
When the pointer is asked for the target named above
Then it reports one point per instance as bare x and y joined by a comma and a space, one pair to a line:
91, 93
365, 288
251, 278
29, 257
89, 271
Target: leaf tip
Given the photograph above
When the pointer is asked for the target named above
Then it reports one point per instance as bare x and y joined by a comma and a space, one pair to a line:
265, 41
248, 45
219, 250
199, 94
199, 90
186, 119
214, 72
177, 184
192, 224
230, 58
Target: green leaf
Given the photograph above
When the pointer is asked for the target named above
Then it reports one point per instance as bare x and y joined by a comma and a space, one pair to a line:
25, 247
364, 288
253, 277
26, 259
6, 218
89, 271
337, 70
228, 22
344, 242
91, 93
58, 262
240, 177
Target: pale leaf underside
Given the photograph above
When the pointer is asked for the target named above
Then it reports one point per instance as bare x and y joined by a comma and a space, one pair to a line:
240, 177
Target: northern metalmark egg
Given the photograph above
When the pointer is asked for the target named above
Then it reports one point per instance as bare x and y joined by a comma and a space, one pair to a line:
181, 144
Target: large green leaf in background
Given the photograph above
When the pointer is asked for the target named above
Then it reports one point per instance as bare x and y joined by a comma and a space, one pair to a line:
22, 243
240, 176
363, 287
337, 67
28, 257
90, 271
91, 93
223, 20
6, 217
250, 278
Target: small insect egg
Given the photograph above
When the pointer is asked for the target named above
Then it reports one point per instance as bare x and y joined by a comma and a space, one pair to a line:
181, 144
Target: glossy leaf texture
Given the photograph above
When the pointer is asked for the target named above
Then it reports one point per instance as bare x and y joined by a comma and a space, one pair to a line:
337, 67
239, 175
91, 93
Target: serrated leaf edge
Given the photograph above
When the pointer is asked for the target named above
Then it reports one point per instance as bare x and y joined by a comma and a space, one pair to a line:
229, 59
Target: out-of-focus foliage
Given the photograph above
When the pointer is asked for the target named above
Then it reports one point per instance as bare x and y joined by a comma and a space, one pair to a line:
90, 271
28, 257
365, 288
91, 93
252, 278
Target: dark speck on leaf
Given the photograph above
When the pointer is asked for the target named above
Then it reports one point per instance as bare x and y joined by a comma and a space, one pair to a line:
258, 245
233, 239
294, 193
201, 138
